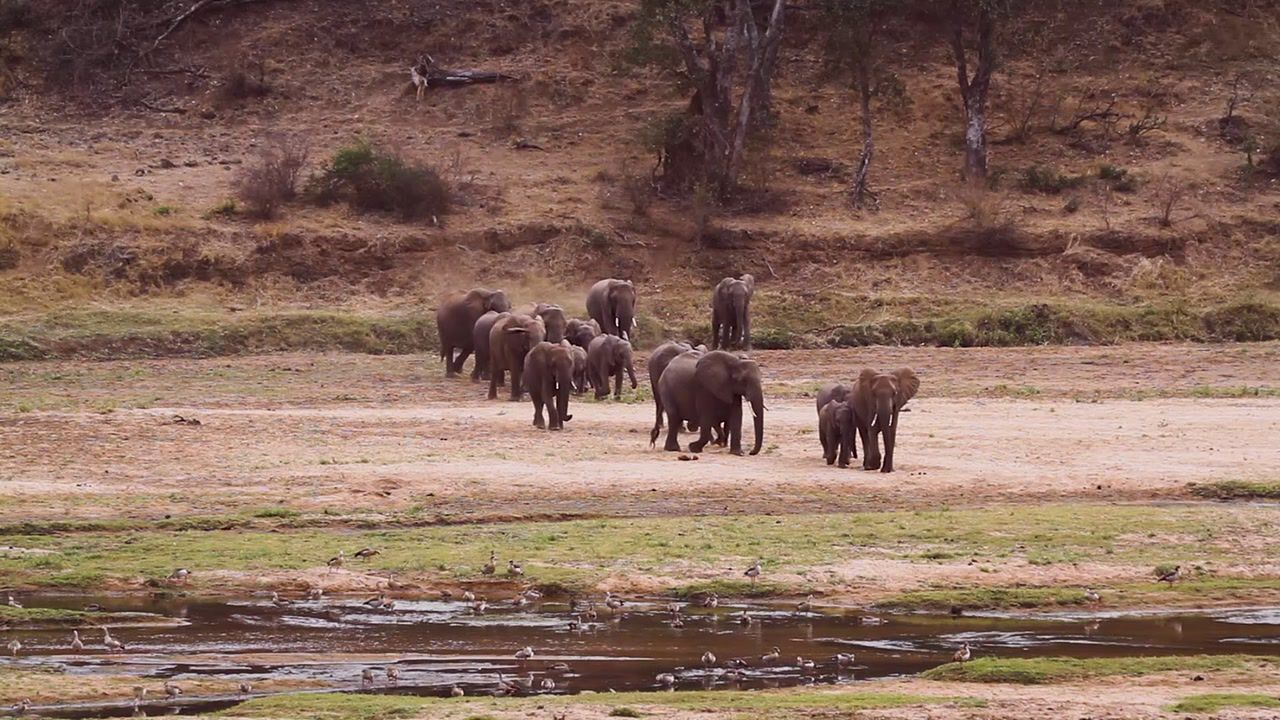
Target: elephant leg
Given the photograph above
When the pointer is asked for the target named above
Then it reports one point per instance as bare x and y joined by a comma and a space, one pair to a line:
517, 390
735, 428
657, 418
495, 379
617, 385
715, 330
872, 449
890, 439
828, 452
844, 446
447, 354
746, 330
705, 423
456, 368
673, 432
537, 410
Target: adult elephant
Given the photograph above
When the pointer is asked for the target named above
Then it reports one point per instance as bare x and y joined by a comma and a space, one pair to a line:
731, 313
554, 318
581, 332
658, 361
456, 317
877, 399
708, 390
609, 356
612, 303
480, 340
510, 340
841, 393
548, 376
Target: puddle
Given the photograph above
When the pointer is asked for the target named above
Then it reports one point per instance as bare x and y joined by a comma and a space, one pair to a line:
436, 645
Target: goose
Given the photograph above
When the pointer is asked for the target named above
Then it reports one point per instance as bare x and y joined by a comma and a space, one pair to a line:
677, 622
771, 657
21, 707
366, 553
393, 675
744, 618
389, 604
366, 676
446, 595
376, 602
479, 606
246, 688
708, 659
492, 566
522, 601
613, 602
139, 692
171, 690
335, 562
468, 596
279, 601
180, 575
804, 664
674, 608
1092, 596
112, 644
547, 684
514, 569
315, 594
666, 679
739, 663
524, 653
92, 607
14, 603
523, 684
76, 643
532, 594
843, 660
806, 605
505, 686
590, 614
456, 691
711, 601
1171, 575
753, 572
963, 654
575, 624
14, 646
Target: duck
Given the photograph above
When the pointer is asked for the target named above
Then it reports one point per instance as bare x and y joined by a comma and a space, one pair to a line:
1171, 575
674, 608
1092, 596
315, 594
665, 679
389, 604
393, 675
14, 603
711, 601
366, 553
558, 667
753, 572
805, 664
246, 688
676, 622
590, 614
524, 653
139, 692
531, 594
843, 660
112, 644
21, 707
335, 562
456, 691
744, 618
492, 566
76, 643
708, 659
514, 569
479, 606
376, 602
963, 654
739, 663
279, 601
522, 601
806, 605
180, 575
468, 596
771, 657
613, 602
366, 676
547, 684
171, 690
14, 646
575, 624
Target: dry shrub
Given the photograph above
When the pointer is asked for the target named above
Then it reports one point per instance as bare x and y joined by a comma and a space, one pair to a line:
272, 180
984, 206
508, 110
639, 191
1171, 194
247, 80
1159, 274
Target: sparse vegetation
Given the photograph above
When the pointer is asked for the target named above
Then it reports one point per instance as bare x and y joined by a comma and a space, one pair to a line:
1237, 490
372, 178
1048, 180
1216, 702
272, 179
1036, 671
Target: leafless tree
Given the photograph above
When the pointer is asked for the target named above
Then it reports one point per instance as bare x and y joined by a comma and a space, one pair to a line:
973, 33
1242, 92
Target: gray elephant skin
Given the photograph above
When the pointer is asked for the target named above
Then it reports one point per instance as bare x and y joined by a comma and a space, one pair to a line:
731, 313
612, 303
877, 399
610, 356
548, 377
510, 340
455, 319
554, 319
709, 391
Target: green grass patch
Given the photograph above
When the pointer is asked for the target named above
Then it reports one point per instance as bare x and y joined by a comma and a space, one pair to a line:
1215, 702
39, 618
984, 599
1039, 671
1237, 490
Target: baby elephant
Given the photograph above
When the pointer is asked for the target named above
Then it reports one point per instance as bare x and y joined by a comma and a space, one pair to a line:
579, 367
609, 355
548, 376
836, 428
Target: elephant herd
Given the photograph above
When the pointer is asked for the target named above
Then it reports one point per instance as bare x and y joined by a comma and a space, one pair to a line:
552, 356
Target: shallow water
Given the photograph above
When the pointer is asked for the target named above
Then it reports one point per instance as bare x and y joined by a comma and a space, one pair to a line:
439, 644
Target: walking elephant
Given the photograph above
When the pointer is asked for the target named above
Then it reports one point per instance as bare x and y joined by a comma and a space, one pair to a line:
579, 367
658, 361
554, 318
731, 313
612, 304
480, 341
841, 393
836, 429
609, 356
708, 390
510, 340
581, 332
877, 399
455, 319
548, 376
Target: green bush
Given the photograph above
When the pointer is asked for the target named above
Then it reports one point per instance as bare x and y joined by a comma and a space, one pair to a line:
1121, 179
373, 179
1244, 322
772, 339
1048, 180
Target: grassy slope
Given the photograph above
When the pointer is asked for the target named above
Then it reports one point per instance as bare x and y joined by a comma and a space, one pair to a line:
1037, 671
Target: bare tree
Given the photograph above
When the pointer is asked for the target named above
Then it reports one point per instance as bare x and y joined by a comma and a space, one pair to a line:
730, 57
976, 19
1242, 92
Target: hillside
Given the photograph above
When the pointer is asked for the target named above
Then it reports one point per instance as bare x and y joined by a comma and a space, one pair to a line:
110, 243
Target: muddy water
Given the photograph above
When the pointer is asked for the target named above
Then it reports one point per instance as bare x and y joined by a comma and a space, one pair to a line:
437, 645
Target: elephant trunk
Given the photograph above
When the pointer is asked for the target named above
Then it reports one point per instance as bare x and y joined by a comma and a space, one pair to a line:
884, 412
757, 409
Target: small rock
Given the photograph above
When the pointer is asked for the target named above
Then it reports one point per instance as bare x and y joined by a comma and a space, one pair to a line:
166, 164
115, 178
685, 458
140, 172
208, 114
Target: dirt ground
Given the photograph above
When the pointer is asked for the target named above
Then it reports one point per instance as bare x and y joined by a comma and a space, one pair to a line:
385, 433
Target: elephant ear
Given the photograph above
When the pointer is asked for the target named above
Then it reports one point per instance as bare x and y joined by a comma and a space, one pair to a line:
908, 384
865, 378
714, 376
750, 280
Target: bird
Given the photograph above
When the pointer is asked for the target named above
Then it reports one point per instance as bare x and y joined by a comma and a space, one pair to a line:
14, 603
112, 644
522, 601
613, 602
590, 614
753, 572
666, 679
468, 596
492, 566
711, 601
963, 654
771, 657
171, 690
843, 660
76, 643
532, 594
92, 607
366, 676
246, 688
547, 684
279, 601
677, 622
575, 624
1170, 576
674, 608
14, 646
21, 707
804, 664
139, 692
514, 569
389, 604
708, 659
739, 663
393, 675
456, 691
524, 653
376, 602
335, 562
806, 605
315, 594
180, 575
558, 667
366, 553
744, 618
479, 606
1092, 596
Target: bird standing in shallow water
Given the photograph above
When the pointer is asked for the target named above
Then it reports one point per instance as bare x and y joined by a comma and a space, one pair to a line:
112, 644
14, 646
963, 654
804, 664
753, 572
772, 656
76, 643
393, 675
711, 601
524, 653
1092, 596
708, 659
376, 602
366, 676
14, 603
806, 605
279, 601
666, 679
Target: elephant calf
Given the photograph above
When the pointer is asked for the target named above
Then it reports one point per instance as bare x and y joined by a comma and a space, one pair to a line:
548, 376
877, 399
840, 393
579, 367
582, 332
835, 429
609, 355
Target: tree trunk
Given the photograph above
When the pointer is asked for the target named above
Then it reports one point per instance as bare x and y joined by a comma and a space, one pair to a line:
974, 90
860, 189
